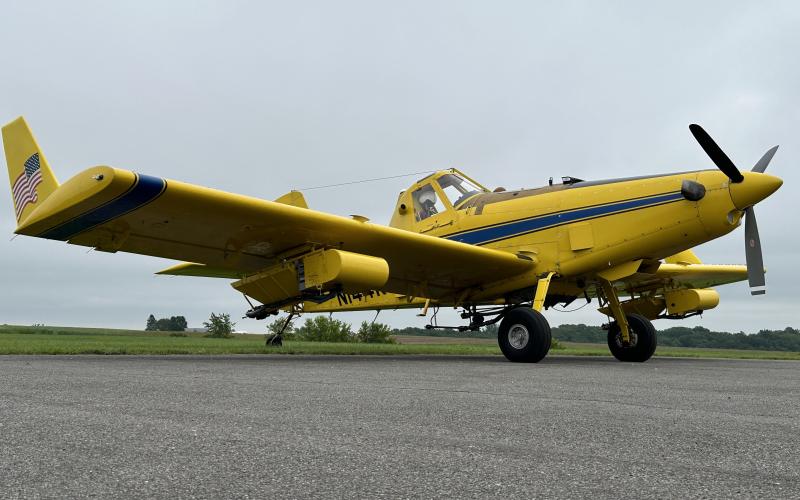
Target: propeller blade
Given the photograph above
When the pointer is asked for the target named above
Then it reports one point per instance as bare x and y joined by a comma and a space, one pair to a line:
716, 154
764, 161
755, 261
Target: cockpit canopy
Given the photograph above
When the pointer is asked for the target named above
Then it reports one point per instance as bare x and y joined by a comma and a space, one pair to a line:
434, 199
452, 186
442, 197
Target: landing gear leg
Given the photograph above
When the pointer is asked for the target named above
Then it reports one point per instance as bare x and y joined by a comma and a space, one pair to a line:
631, 337
616, 310
277, 339
541, 292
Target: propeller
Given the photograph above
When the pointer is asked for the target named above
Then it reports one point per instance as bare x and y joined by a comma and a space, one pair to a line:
716, 154
753, 255
755, 261
761, 165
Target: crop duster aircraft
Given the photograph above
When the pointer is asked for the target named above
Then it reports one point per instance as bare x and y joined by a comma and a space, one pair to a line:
499, 256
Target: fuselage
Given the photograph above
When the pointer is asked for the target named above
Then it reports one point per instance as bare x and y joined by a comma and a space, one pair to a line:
582, 228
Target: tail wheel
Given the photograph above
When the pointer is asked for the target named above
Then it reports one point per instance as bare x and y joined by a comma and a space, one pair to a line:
642, 340
524, 335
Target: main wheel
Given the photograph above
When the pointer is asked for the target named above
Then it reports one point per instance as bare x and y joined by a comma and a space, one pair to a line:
642, 339
524, 335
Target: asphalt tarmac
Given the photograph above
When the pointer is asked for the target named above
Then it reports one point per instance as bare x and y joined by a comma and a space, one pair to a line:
397, 427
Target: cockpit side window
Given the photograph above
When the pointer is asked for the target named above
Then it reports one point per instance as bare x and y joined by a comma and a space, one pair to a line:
426, 203
457, 189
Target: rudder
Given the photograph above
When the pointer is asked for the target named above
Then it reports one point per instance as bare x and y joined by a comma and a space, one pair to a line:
31, 179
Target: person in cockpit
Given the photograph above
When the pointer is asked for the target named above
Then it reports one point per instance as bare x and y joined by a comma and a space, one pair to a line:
426, 202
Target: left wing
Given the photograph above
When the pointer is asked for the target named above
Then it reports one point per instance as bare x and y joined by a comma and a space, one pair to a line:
117, 210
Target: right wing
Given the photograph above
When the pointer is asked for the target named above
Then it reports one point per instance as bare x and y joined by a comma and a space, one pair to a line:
701, 275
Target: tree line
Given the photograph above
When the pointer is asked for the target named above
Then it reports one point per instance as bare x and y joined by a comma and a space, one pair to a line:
327, 329
787, 339
171, 324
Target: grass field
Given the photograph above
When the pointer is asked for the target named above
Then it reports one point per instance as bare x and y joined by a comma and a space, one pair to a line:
67, 340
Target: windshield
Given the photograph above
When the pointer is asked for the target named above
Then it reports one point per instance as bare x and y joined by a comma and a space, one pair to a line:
457, 189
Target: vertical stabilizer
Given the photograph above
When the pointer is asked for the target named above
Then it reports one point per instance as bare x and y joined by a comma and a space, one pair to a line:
31, 178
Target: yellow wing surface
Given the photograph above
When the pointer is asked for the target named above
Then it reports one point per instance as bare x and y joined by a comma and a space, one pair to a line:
701, 275
681, 271
230, 235
685, 270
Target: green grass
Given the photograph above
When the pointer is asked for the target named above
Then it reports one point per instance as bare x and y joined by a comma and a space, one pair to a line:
66, 340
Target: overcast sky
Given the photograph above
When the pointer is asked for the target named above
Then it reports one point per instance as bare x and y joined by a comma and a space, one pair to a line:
259, 98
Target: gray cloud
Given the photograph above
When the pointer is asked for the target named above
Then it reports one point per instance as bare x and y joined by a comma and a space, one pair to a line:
258, 98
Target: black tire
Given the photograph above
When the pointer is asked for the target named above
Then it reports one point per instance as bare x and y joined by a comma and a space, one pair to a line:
524, 335
643, 340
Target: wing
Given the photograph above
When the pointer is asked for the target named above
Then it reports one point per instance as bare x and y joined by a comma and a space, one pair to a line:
680, 271
700, 275
229, 235
685, 270
661, 277
681, 285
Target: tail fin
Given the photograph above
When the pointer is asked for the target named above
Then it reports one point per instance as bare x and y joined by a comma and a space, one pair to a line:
31, 178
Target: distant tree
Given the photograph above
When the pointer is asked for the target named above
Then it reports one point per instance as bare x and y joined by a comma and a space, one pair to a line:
375, 333
171, 324
325, 329
178, 323
581, 333
219, 325
275, 327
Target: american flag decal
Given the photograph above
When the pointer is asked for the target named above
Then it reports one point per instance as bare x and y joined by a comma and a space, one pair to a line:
24, 188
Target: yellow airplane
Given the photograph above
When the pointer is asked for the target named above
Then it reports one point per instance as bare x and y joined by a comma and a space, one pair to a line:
499, 256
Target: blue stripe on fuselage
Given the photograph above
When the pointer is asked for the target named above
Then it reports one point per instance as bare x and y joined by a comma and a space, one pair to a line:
146, 188
489, 234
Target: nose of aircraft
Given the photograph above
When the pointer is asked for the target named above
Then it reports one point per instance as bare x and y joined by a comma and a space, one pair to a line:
754, 188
